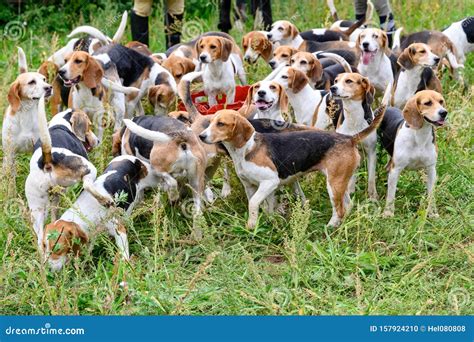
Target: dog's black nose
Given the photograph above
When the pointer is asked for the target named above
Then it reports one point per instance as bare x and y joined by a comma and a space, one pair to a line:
365, 45
202, 136
436, 60
261, 93
48, 88
61, 72
202, 58
443, 113
272, 63
333, 89
269, 35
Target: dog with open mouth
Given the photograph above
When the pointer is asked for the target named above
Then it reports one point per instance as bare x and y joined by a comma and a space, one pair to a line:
265, 100
409, 139
375, 62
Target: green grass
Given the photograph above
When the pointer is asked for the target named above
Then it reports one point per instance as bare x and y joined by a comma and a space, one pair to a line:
292, 264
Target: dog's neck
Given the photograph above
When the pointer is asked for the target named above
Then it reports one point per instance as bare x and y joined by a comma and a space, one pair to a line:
238, 153
304, 103
294, 43
423, 135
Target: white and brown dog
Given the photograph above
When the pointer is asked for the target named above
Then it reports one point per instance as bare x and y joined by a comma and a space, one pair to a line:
60, 158
357, 95
416, 73
375, 63
461, 34
123, 183
90, 93
266, 100
221, 60
20, 122
409, 139
256, 45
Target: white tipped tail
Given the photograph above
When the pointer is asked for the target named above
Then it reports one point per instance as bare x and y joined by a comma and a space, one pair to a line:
121, 29
332, 9
387, 95
92, 31
396, 39
369, 13
118, 87
22, 64
146, 133
336, 58
45, 137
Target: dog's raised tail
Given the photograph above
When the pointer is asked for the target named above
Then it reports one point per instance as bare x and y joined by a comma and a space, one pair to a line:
45, 137
184, 92
121, 29
154, 136
22, 64
91, 31
378, 117
336, 58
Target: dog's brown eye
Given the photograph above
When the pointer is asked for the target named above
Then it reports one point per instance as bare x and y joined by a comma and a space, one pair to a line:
280, 29
284, 77
375, 36
428, 103
285, 56
292, 61
32, 82
304, 62
178, 75
220, 124
272, 87
422, 51
257, 87
78, 61
213, 46
201, 46
348, 81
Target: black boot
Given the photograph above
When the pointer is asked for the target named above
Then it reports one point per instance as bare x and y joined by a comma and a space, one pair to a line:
139, 26
174, 23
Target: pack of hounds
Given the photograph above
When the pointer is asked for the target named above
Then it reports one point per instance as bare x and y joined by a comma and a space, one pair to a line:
331, 79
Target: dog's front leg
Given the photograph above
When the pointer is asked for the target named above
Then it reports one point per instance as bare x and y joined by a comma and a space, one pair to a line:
264, 190
430, 184
391, 190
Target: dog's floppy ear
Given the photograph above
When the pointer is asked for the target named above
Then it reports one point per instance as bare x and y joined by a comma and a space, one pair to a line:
385, 46
369, 91
93, 73
187, 65
412, 115
296, 80
198, 47
283, 99
14, 96
267, 49
248, 101
316, 71
152, 91
405, 60
293, 31
226, 48
80, 124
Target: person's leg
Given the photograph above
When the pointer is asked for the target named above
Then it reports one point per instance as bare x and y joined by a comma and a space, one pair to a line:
139, 20
387, 23
224, 16
174, 21
266, 8
360, 8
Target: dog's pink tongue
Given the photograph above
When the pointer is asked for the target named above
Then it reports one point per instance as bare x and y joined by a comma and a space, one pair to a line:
366, 57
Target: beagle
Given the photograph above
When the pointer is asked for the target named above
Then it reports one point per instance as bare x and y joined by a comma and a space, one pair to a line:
136, 70
461, 34
409, 139
60, 158
179, 65
344, 25
334, 33
20, 122
256, 44
375, 63
269, 99
438, 42
311, 107
357, 95
123, 182
319, 77
264, 161
221, 59
171, 148
416, 73
286, 34
282, 56
85, 75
